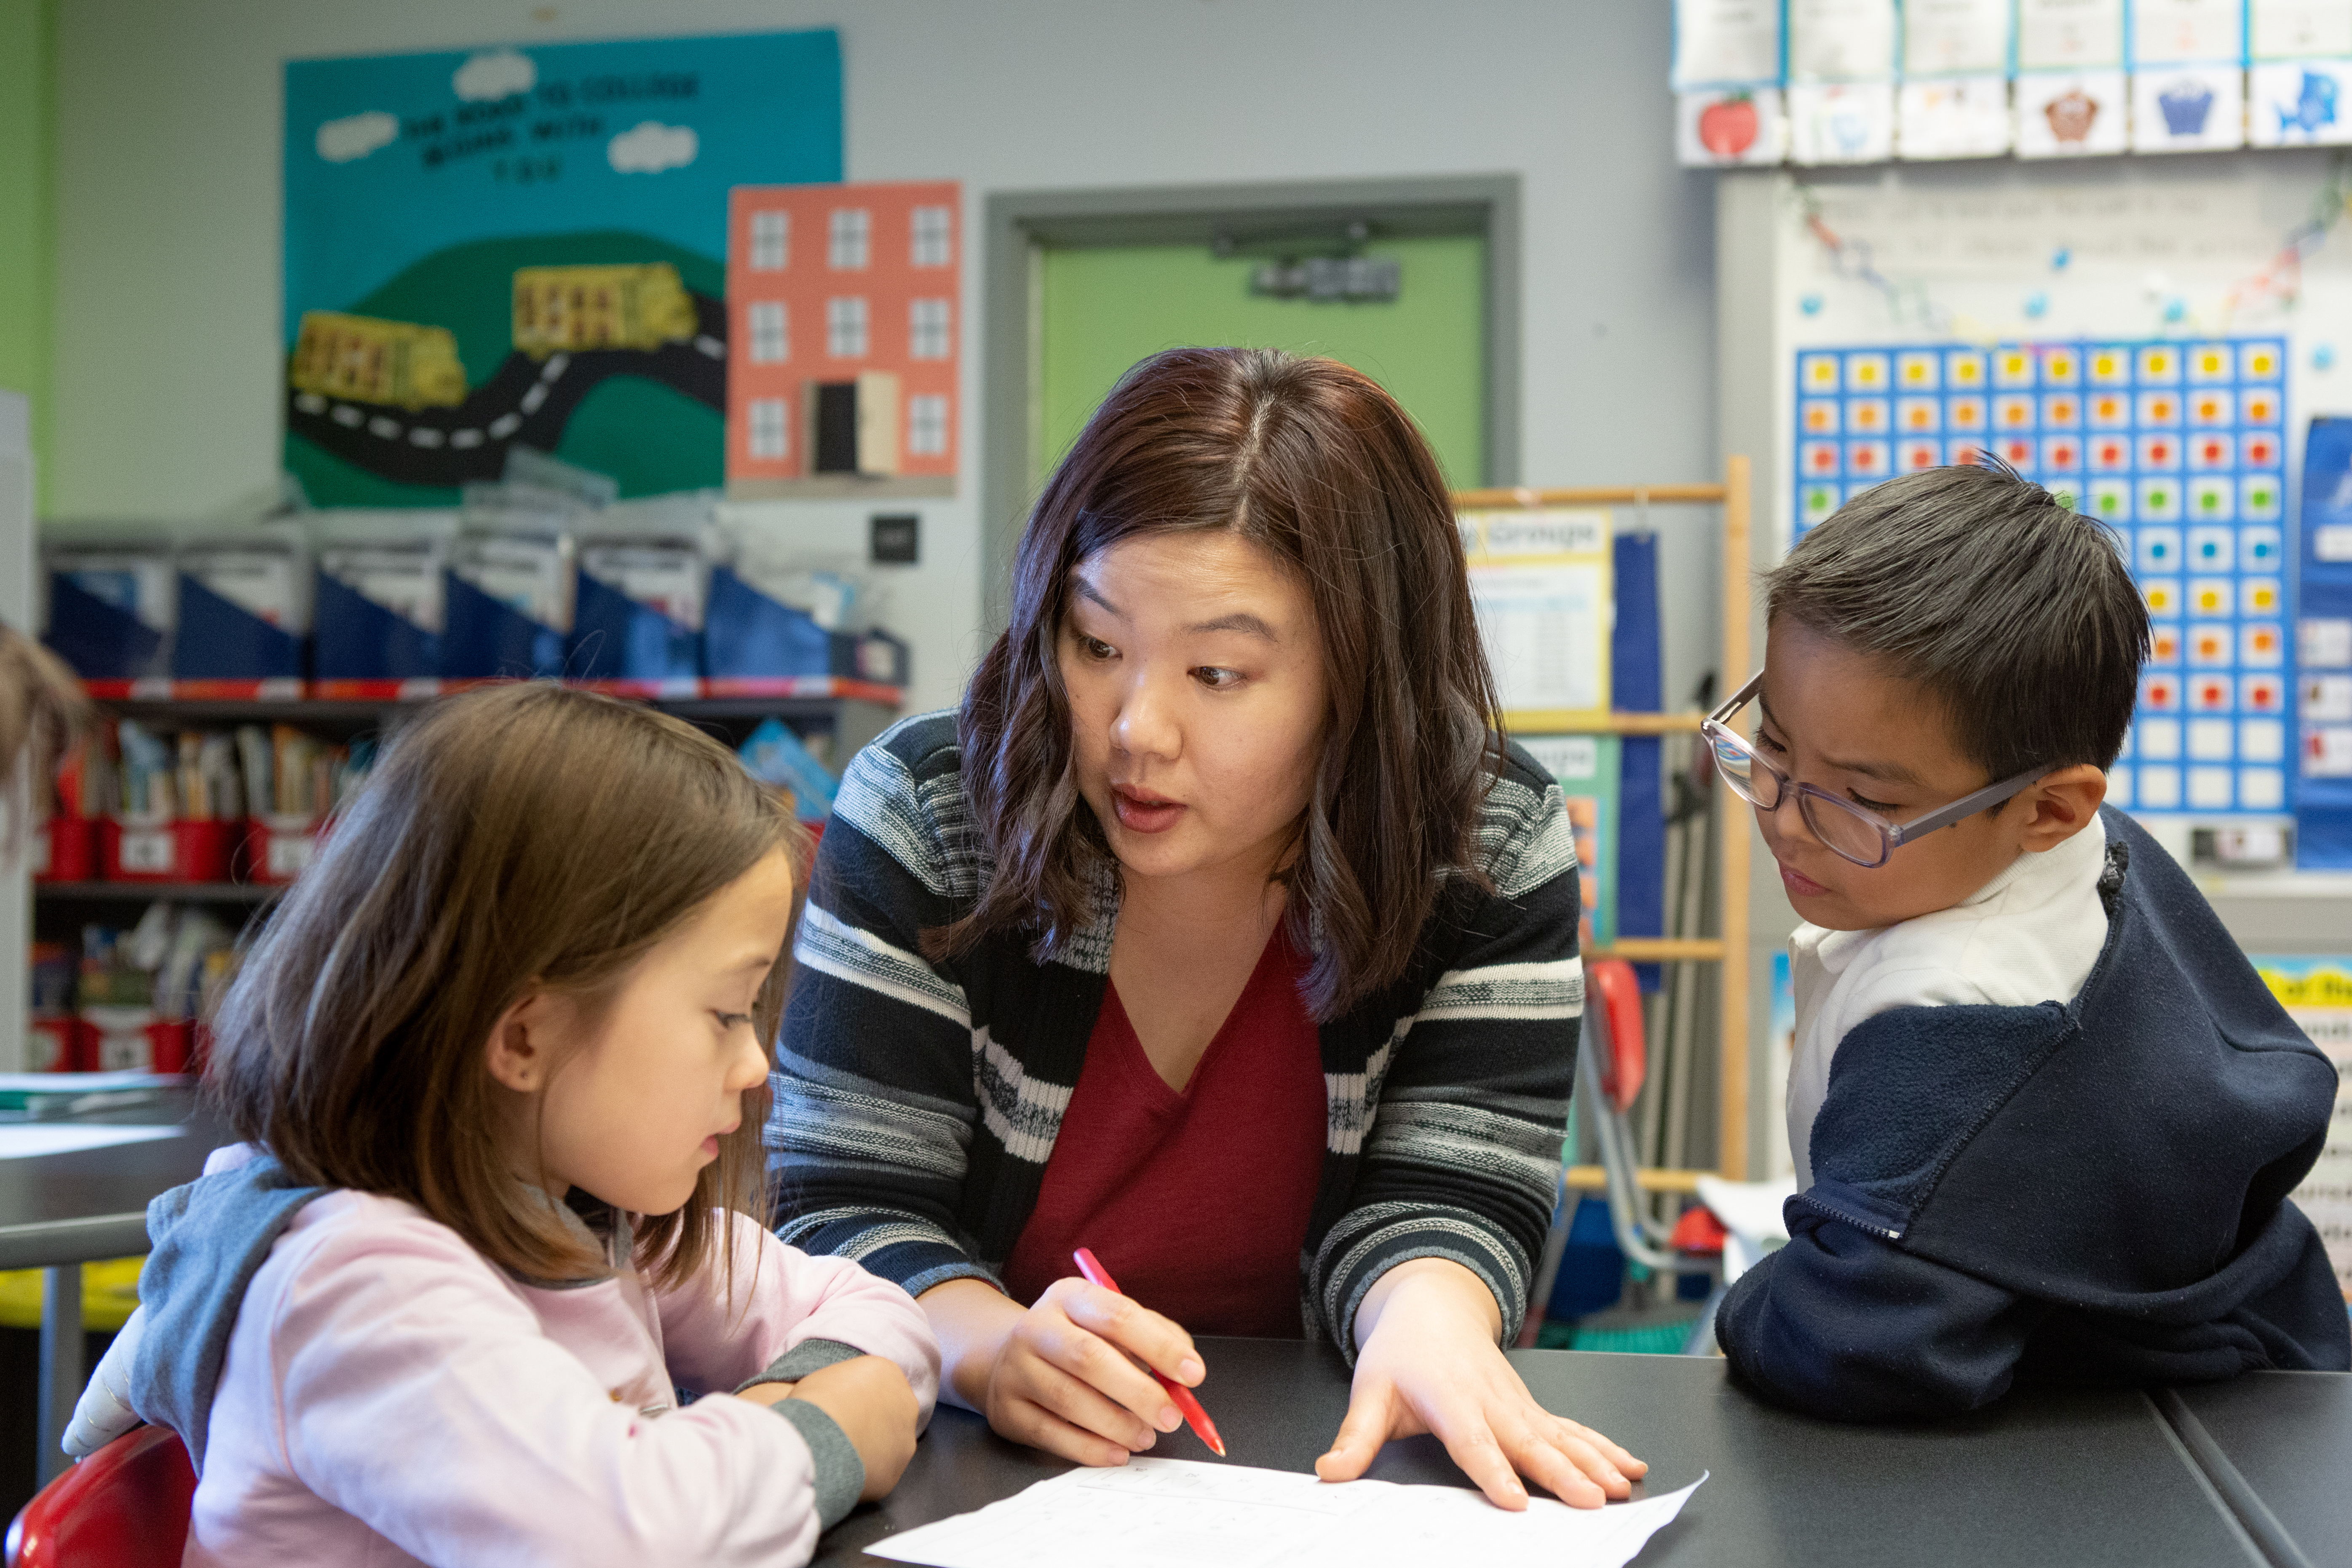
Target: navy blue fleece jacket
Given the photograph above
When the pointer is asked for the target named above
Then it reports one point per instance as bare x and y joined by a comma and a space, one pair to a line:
2093, 1192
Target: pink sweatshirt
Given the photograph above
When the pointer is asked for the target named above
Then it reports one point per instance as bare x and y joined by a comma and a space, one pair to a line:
389, 1397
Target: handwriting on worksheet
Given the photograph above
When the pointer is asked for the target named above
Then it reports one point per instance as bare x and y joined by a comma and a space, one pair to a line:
1178, 1513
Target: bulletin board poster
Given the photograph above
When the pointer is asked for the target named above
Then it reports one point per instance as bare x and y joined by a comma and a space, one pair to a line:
2180, 448
2318, 995
1541, 581
1589, 769
527, 245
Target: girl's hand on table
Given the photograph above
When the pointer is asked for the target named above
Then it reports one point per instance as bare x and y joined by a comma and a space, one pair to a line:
868, 1398
1429, 1364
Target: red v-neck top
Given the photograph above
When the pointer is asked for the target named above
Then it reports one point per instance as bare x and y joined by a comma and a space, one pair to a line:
1196, 1202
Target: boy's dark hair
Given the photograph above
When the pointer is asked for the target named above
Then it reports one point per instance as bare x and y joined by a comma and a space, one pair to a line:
2017, 612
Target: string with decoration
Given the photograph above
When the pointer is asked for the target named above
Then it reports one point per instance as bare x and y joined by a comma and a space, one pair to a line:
2281, 278
2279, 281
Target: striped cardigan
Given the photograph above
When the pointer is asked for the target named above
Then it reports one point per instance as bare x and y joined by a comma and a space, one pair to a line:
916, 1104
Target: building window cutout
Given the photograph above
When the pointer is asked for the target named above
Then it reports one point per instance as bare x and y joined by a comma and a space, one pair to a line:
845, 326
927, 426
770, 343
771, 241
768, 427
934, 237
927, 329
847, 246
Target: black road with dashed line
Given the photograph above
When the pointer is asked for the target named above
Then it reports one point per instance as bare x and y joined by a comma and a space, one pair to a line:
526, 400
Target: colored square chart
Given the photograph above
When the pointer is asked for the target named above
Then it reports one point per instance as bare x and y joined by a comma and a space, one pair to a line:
2180, 448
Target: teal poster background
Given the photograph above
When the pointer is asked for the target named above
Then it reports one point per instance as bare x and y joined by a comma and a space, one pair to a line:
418, 186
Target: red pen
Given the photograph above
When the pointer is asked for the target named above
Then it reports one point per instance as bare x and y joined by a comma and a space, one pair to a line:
1194, 1416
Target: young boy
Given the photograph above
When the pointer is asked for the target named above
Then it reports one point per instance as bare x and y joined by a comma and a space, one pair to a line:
2045, 1115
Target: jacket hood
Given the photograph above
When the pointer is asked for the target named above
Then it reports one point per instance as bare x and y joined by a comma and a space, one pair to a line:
210, 1237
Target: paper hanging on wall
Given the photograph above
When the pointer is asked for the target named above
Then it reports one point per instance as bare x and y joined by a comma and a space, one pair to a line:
2070, 35
1726, 127
2188, 109
2063, 114
2188, 32
1841, 40
523, 248
1841, 123
2300, 103
2298, 29
1540, 581
1726, 43
1956, 37
1953, 117
1588, 771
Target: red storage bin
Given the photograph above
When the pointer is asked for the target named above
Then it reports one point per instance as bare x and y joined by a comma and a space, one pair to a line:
66, 850
172, 852
172, 1045
277, 849
60, 1045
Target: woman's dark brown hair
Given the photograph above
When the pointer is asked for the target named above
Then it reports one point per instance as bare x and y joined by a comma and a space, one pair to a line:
1314, 463
518, 839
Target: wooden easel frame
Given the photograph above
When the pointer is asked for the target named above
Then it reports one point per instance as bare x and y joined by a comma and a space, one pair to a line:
1728, 949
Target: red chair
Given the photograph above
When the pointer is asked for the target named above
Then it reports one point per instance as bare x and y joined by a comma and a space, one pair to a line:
126, 1505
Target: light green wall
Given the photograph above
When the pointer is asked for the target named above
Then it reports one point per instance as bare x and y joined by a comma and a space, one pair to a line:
1106, 307
27, 216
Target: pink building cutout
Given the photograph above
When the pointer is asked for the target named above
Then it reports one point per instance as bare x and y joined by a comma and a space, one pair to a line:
827, 282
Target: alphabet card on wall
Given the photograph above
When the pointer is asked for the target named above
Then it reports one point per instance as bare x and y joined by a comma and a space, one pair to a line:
2182, 448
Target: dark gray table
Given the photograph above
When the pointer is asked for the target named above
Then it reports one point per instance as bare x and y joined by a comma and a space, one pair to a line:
2279, 1448
58, 1212
2074, 1479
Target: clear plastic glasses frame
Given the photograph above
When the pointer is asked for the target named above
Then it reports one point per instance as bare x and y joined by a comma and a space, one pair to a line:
1848, 831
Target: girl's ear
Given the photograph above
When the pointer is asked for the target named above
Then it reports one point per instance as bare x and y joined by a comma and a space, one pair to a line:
520, 1052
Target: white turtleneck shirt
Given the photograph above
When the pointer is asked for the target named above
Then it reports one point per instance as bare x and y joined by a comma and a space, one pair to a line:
2028, 936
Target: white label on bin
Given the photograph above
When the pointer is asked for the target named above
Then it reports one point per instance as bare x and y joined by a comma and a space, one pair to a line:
130, 1050
874, 661
289, 856
152, 851
46, 1040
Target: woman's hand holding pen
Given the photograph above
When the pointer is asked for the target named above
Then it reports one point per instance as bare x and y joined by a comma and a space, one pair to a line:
1063, 1375
1429, 1364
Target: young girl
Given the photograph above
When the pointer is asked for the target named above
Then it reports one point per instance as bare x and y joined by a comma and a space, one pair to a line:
500, 1067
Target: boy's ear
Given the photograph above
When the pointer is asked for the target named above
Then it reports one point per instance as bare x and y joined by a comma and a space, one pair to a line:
520, 1049
2061, 805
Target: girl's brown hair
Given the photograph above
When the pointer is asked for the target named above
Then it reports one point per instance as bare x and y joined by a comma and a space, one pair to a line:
1314, 463
518, 839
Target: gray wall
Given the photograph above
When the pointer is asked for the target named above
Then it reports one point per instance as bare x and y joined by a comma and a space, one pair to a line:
168, 143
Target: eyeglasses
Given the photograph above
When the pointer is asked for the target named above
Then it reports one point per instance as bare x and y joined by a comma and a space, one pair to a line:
1861, 837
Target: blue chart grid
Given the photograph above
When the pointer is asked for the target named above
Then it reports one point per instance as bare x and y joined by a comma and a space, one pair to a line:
2181, 446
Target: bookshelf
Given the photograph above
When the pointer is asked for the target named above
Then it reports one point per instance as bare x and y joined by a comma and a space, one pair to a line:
1728, 948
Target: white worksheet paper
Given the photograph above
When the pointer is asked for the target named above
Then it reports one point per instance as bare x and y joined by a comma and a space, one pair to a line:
25, 1139
1186, 1513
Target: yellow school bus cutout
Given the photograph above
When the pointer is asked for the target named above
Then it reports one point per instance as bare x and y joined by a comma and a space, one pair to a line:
567, 309
370, 361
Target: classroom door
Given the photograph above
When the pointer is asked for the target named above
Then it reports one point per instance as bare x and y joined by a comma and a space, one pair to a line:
1104, 307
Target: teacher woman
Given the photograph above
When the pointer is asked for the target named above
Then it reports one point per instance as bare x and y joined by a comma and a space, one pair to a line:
1219, 932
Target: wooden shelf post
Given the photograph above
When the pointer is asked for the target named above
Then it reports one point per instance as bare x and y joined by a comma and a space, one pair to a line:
1728, 949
